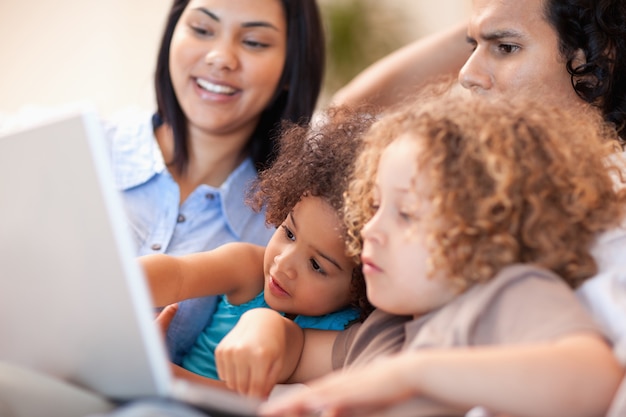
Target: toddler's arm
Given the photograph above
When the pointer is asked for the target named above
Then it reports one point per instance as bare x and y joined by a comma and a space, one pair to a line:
266, 348
575, 376
235, 269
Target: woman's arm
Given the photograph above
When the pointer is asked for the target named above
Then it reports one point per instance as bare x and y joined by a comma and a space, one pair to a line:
400, 73
266, 348
235, 269
576, 376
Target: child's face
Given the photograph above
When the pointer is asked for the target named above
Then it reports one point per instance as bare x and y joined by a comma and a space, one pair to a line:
395, 255
307, 271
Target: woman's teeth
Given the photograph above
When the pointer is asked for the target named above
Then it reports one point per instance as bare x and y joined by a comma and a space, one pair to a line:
215, 88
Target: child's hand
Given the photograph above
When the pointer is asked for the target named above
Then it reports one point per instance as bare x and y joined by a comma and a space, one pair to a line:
250, 358
354, 392
165, 317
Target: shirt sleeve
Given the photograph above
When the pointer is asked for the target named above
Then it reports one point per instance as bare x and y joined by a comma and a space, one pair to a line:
526, 305
379, 335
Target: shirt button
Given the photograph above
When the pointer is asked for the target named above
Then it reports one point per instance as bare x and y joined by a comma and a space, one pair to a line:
210, 196
181, 218
156, 246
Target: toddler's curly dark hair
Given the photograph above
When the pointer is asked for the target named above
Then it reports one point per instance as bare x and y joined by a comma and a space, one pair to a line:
315, 161
511, 181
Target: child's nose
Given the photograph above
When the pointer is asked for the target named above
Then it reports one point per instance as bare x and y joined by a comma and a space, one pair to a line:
285, 264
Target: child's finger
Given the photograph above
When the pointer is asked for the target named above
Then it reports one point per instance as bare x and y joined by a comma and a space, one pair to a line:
166, 316
262, 380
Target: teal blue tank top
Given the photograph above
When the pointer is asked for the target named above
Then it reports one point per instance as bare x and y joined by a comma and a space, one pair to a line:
201, 357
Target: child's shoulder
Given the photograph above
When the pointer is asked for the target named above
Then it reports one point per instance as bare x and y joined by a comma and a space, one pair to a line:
244, 247
522, 303
338, 320
522, 292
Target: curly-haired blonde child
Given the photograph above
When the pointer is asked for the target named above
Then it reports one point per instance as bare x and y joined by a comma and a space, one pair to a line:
304, 271
476, 219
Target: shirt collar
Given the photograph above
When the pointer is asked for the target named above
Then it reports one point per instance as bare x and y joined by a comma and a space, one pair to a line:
136, 156
233, 194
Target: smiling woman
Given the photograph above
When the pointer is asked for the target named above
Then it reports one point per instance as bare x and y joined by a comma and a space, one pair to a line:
225, 63
227, 74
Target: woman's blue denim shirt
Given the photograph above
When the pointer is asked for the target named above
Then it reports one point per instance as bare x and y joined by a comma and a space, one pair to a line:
158, 223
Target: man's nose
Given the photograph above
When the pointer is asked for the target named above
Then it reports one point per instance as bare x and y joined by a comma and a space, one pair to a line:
474, 75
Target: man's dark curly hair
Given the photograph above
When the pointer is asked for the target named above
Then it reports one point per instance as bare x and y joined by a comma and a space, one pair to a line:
598, 28
315, 161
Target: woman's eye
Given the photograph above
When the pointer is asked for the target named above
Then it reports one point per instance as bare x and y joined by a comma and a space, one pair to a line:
288, 233
255, 44
201, 30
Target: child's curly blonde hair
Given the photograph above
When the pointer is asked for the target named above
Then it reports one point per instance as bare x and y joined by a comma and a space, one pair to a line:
512, 181
315, 161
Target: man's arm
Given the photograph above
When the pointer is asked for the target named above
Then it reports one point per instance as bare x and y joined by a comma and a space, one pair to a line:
392, 78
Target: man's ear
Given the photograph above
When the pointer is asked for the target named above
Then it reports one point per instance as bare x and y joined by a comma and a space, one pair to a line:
579, 58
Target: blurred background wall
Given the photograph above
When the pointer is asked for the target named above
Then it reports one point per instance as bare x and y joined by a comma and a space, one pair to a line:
62, 51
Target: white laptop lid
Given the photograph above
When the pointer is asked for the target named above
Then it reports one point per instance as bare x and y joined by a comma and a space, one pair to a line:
73, 301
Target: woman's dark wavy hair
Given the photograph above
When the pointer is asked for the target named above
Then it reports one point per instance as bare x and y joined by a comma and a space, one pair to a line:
303, 73
597, 27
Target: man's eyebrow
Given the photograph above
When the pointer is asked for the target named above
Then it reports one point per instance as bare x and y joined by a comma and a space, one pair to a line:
245, 24
498, 34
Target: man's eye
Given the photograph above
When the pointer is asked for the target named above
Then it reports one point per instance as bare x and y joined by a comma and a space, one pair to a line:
506, 48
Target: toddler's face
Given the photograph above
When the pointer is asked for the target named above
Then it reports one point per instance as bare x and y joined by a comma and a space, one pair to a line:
395, 254
306, 267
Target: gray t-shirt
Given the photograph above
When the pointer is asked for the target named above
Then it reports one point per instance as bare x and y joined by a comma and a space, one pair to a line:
522, 304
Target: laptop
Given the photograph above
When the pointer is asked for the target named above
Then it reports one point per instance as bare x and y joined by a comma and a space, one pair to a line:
74, 303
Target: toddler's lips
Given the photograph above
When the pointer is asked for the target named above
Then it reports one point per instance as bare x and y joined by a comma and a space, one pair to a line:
369, 267
276, 289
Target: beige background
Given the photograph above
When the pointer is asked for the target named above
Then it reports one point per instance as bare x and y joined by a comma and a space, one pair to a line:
55, 52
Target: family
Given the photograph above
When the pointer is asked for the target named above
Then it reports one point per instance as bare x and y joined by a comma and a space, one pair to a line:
447, 238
